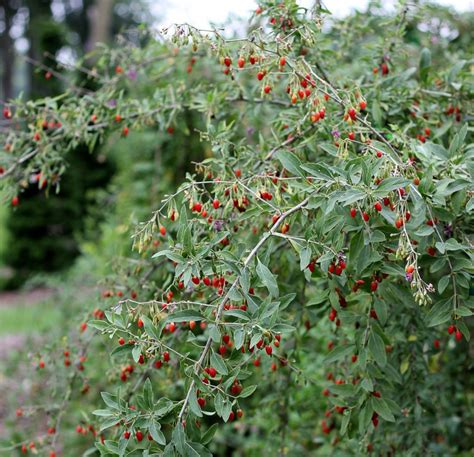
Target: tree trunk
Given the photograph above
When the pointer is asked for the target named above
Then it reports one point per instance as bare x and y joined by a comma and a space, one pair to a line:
8, 55
100, 19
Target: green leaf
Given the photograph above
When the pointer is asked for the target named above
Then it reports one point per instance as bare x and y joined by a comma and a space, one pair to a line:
439, 313
267, 278
458, 141
344, 390
150, 328
442, 284
290, 162
148, 393
185, 315
389, 184
156, 433
98, 324
247, 391
218, 364
110, 400
377, 349
179, 438
425, 63
345, 421
194, 405
305, 258
377, 113
210, 432
382, 409
339, 353
103, 412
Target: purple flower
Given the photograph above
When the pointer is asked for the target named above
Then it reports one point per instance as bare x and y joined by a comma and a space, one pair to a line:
409, 277
132, 74
218, 225
112, 103
336, 133
448, 230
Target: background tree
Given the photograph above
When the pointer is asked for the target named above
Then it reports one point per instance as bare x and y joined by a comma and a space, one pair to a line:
307, 288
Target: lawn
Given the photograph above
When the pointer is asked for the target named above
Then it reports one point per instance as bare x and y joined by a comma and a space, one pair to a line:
28, 318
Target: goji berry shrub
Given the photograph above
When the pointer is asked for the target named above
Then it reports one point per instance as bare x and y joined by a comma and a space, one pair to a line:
310, 282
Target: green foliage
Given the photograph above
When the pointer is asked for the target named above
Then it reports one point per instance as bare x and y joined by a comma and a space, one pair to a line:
319, 257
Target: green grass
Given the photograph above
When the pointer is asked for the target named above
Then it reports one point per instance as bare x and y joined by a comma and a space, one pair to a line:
3, 230
29, 319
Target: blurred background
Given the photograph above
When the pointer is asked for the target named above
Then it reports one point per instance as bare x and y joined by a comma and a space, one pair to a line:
54, 248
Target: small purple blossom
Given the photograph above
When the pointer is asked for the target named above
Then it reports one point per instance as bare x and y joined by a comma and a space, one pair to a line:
448, 230
218, 225
132, 75
112, 103
250, 130
336, 133
409, 277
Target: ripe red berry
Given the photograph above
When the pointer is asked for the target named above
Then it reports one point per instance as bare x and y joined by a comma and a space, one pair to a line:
458, 335
140, 323
451, 329
352, 136
15, 201
241, 62
436, 344
282, 62
353, 212
365, 216
427, 131
126, 434
195, 280
227, 61
379, 154
378, 207
410, 269
121, 341
363, 104
139, 435
268, 350
202, 402
354, 358
216, 203
125, 131
267, 89
260, 75
166, 356
374, 285
162, 230
331, 268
